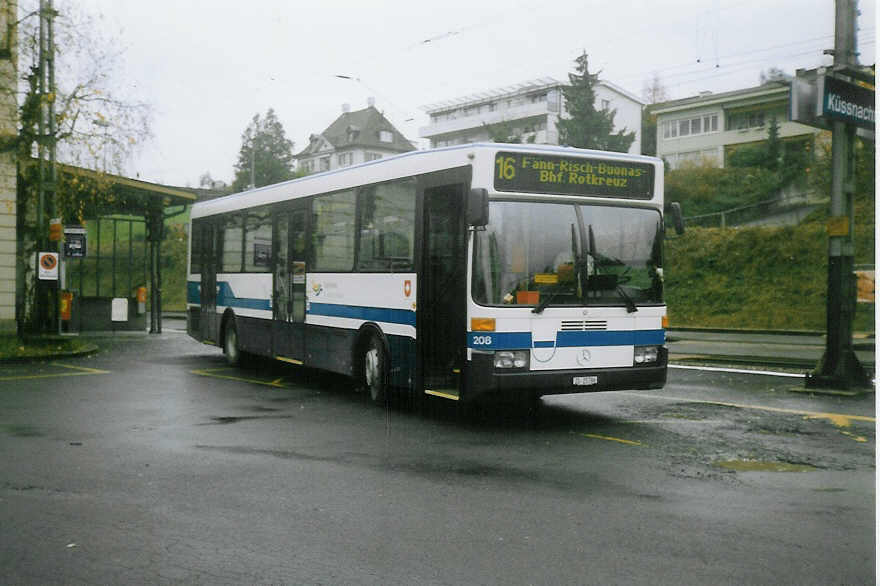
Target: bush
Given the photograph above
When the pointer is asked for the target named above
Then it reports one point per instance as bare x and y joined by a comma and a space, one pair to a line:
705, 190
759, 278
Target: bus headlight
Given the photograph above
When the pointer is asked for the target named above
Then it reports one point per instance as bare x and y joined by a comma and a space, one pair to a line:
645, 355
512, 359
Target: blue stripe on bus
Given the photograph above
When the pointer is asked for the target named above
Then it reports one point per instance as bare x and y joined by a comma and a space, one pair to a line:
377, 314
523, 340
225, 297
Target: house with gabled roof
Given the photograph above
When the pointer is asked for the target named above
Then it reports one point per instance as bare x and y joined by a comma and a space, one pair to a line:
354, 137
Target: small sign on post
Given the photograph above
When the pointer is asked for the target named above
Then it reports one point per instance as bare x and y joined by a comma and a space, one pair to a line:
47, 266
75, 242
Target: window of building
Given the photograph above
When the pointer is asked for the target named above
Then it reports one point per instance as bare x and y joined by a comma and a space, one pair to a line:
334, 231
344, 159
386, 136
606, 104
690, 126
755, 118
325, 163
387, 226
372, 156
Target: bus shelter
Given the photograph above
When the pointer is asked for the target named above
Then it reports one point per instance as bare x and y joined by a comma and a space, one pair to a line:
112, 254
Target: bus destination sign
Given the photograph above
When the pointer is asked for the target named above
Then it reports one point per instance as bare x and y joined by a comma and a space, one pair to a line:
539, 173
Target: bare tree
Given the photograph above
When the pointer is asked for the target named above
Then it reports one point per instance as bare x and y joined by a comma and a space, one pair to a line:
654, 91
98, 125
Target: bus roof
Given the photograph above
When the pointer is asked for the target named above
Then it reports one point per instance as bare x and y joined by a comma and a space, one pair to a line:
403, 165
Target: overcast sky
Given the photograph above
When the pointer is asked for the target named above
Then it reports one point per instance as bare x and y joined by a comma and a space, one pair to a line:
208, 66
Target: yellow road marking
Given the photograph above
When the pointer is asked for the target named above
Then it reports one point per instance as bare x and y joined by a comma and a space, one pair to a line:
611, 439
441, 394
838, 419
84, 369
854, 437
212, 372
78, 371
290, 360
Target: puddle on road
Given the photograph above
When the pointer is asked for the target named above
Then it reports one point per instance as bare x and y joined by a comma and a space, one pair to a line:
763, 466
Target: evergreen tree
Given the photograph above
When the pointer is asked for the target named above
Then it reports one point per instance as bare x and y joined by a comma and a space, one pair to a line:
504, 132
266, 154
587, 127
774, 144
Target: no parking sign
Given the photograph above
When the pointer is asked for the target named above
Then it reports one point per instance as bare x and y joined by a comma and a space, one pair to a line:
47, 266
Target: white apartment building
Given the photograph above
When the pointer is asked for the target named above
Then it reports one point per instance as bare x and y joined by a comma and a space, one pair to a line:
704, 129
529, 109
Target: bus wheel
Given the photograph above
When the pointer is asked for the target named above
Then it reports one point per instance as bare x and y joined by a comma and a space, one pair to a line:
376, 370
230, 345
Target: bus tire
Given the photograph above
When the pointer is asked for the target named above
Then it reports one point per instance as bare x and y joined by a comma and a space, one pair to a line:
231, 345
375, 369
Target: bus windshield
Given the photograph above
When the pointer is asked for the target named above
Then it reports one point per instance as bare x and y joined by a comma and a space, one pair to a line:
545, 254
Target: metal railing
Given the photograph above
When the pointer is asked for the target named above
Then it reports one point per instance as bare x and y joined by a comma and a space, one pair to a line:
757, 212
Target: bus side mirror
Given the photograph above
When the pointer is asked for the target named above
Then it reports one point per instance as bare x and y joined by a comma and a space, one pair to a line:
478, 208
677, 219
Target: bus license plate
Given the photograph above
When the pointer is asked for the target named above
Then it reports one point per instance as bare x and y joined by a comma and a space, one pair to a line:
585, 381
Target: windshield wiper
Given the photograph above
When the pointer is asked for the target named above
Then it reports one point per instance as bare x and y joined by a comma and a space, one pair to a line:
546, 299
630, 304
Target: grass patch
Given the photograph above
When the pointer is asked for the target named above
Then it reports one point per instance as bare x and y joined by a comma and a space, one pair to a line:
13, 347
756, 278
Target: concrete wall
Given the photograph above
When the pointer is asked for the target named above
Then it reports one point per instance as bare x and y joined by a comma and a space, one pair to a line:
8, 128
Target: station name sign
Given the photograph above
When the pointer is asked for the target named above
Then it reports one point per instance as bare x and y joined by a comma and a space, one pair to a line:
818, 99
848, 102
537, 173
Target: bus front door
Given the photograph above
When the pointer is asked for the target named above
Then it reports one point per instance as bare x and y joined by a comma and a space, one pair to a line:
208, 285
289, 284
442, 290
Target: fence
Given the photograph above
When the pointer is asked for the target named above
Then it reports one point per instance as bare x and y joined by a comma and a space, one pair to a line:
776, 211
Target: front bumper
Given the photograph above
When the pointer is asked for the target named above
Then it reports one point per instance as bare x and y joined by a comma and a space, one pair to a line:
481, 379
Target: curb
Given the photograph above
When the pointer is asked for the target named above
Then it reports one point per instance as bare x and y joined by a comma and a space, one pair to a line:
90, 349
815, 333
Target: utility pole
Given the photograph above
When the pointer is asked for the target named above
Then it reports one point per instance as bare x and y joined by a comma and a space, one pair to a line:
46, 169
839, 366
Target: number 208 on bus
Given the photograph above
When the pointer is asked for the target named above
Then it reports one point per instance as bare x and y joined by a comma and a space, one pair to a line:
482, 271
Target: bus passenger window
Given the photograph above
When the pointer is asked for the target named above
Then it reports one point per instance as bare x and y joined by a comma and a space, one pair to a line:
387, 226
333, 235
258, 242
195, 249
232, 245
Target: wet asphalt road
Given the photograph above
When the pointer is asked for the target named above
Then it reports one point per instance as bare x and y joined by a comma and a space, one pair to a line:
151, 462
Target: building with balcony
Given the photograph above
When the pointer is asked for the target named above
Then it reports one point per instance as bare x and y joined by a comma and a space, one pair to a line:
707, 128
354, 137
529, 110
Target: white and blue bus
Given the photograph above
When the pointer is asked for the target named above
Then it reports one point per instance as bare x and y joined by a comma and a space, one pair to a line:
483, 270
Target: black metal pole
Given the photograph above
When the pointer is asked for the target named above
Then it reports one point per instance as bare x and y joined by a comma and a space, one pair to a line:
839, 366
